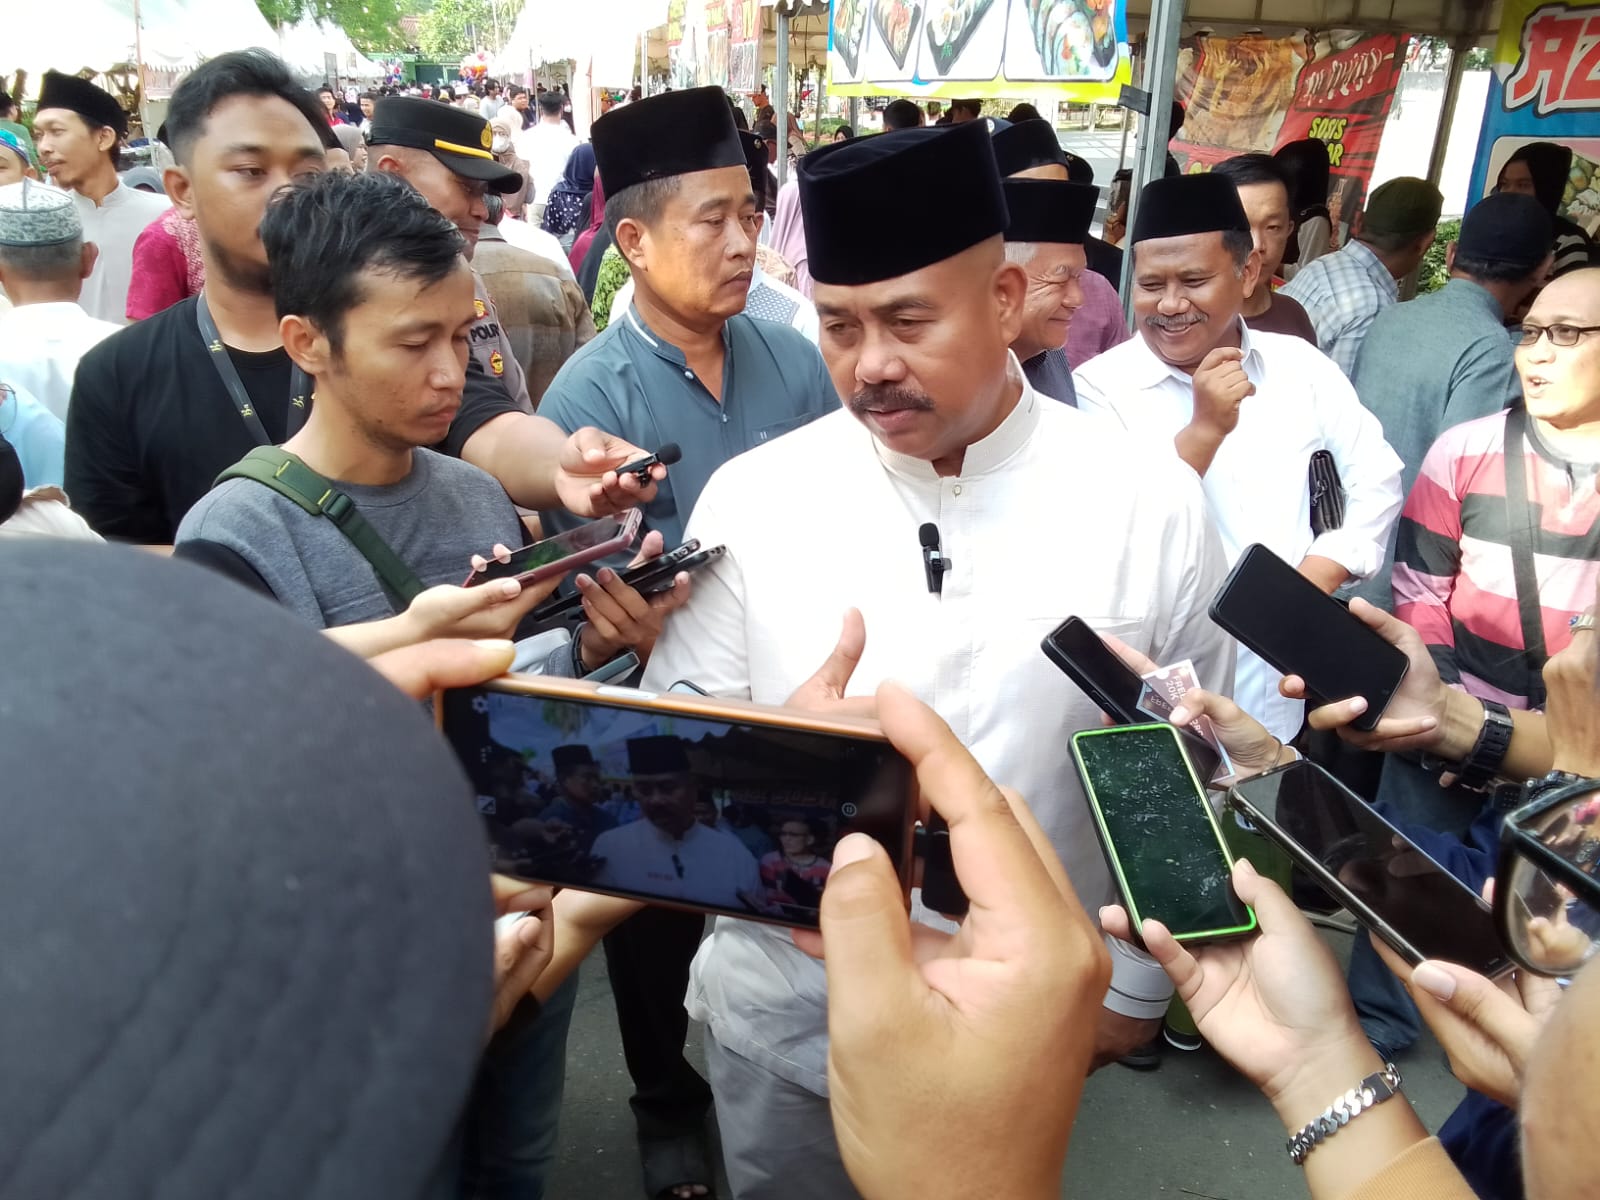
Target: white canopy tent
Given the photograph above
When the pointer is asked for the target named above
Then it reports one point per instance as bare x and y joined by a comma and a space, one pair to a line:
306, 44
169, 35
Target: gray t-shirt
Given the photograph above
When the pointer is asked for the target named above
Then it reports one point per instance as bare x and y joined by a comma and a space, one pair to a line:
435, 519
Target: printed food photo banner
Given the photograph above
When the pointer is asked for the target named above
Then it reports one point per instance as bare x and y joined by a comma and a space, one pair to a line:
1260, 93
1546, 88
1074, 49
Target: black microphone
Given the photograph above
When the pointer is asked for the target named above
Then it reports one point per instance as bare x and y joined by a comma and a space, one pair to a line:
934, 563
669, 454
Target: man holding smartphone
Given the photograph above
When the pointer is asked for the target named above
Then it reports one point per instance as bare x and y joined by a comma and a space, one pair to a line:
1246, 409
941, 428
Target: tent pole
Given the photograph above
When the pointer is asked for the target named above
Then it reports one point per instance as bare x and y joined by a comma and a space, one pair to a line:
1150, 157
138, 55
1447, 110
780, 98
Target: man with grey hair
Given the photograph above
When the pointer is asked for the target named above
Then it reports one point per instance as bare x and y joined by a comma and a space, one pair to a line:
43, 263
1245, 408
1048, 221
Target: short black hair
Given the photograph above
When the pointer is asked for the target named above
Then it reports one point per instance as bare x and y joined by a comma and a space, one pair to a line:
1239, 243
329, 90
518, 91
321, 233
973, 106
237, 73
373, 96
642, 202
1248, 169
902, 114
1486, 271
1023, 112
550, 103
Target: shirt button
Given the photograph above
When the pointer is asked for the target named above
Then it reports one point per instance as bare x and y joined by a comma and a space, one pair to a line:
688, 374
956, 489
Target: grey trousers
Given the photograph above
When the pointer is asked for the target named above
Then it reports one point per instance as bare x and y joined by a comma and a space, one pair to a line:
777, 1138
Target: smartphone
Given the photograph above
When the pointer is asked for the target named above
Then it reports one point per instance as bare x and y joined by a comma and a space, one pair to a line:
1158, 832
718, 806
669, 563
662, 580
1365, 863
1080, 652
1286, 619
559, 554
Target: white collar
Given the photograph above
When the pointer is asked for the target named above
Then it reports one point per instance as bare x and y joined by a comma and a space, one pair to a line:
54, 310
1150, 370
986, 454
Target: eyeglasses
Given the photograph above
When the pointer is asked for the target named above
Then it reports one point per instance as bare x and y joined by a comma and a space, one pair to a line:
1547, 893
1560, 335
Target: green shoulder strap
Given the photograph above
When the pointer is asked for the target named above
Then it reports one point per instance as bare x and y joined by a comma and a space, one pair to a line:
288, 476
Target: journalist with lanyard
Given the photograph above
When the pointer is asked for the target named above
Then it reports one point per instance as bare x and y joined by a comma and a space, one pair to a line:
299, 381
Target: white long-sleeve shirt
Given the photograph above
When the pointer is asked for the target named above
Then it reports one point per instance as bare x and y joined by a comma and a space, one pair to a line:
1054, 514
114, 225
1257, 486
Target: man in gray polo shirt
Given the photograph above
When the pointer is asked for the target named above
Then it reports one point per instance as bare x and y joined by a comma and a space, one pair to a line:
683, 364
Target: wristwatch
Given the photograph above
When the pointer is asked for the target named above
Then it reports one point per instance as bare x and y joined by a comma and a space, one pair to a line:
1479, 768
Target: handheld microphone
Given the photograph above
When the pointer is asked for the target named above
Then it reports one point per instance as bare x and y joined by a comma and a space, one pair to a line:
934, 562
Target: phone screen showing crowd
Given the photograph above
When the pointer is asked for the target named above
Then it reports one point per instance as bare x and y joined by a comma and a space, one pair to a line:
729, 817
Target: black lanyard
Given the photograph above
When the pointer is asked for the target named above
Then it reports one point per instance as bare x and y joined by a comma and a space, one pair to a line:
299, 381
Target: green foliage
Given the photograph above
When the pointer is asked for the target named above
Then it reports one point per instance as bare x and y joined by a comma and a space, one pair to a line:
451, 28
373, 25
1432, 275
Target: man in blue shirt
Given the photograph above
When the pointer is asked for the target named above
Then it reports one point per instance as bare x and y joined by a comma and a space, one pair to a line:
683, 364
1443, 359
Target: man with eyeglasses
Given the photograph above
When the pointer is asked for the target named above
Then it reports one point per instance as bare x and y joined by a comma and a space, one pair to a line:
1496, 559
1444, 358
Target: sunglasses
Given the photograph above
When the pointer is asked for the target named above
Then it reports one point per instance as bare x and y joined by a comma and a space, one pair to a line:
1547, 888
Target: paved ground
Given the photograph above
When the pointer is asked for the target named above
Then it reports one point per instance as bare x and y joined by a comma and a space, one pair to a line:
1191, 1129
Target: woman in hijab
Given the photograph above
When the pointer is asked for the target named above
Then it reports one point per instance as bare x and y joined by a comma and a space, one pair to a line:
566, 213
1540, 170
591, 243
1305, 167
502, 125
789, 235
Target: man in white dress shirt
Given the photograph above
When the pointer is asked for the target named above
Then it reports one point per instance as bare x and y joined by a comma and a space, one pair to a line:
1044, 513
1246, 409
667, 851
545, 146
78, 129
43, 263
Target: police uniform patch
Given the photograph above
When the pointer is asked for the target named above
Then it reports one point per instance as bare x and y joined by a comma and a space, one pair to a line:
497, 364
480, 308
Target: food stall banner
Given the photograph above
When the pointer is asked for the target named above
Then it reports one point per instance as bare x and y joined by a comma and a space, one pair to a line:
1261, 93
1069, 49
744, 45
1545, 88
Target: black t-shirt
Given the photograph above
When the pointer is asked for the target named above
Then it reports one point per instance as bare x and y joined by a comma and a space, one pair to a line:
151, 424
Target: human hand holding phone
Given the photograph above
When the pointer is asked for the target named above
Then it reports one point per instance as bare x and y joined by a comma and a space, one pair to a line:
1487, 1027
618, 617
1414, 717
491, 611
984, 1034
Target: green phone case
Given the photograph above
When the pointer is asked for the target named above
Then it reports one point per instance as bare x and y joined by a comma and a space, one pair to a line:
1119, 874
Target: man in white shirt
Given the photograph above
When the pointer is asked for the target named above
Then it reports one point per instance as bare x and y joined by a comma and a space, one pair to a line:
667, 852
1043, 513
78, 129
43, 263
1246, 409
545, 146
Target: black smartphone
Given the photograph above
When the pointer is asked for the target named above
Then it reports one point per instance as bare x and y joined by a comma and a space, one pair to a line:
662, 580
667, 565
1370, 867
711, 805
1288, 620
1160, 837
1078, 650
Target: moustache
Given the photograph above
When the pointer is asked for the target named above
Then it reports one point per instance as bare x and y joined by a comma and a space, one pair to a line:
1172, 324
887, 398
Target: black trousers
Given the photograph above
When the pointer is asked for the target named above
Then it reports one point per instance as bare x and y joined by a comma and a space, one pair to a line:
647, 958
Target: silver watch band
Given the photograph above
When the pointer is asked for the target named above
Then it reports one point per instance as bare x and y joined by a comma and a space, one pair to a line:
1373, 1090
